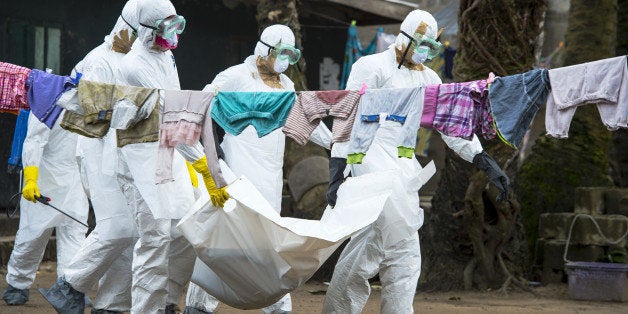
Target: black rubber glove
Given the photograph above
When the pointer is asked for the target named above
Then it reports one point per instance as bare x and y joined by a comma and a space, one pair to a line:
336, 177
487, 164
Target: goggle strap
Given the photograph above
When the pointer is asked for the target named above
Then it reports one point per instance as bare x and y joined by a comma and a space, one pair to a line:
405, 52
409, 37
127, 23
151, 27
267, 45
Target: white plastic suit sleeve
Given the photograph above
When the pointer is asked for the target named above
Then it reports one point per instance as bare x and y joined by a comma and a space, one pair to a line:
322, 136
36, 139
191, 153
464, 148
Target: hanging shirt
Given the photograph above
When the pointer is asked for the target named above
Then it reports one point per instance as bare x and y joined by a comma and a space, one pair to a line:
603, 82
266, 111
311, 106
102, 105
21, 126
44, 90
13, 87
184, 121
515, 99
401, 105
458, 109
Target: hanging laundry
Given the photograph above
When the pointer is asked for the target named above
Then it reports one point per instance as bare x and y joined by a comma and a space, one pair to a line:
353, 51
44, 89
94, 107
311, 106
182, 122
266, 111
515, 99
603, 83
402, 105
21, 125
384, 40
250, 256
13, 88
458, 109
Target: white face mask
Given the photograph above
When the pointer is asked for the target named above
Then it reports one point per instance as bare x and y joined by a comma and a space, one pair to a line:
281, 65
419, 57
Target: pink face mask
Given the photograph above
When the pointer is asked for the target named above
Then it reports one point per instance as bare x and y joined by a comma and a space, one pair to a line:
167, 44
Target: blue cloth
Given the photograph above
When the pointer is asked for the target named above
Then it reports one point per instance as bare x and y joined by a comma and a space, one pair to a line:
43, 91
266, 111
21, 125
515, 99
353, 51
402, 105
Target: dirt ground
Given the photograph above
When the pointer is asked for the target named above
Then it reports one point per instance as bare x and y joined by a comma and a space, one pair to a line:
309, 299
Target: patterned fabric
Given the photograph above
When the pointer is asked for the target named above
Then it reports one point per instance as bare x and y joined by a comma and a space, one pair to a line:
13, 87
459, 109
311, 106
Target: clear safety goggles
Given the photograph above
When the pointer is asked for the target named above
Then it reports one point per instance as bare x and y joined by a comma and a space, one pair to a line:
169, 27
284, 52
424, 44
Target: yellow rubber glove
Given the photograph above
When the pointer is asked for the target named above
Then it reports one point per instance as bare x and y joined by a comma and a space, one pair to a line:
31, 190
218, 196
192, 173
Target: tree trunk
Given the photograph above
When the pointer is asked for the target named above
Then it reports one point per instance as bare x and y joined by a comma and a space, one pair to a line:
469, 239
549, 176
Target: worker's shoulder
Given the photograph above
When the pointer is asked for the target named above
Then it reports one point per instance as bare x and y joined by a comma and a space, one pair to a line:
373, 59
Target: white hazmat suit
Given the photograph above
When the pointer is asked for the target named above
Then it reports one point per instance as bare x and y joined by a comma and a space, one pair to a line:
259, 159
390, 246
52, 151
105, 256
162, 259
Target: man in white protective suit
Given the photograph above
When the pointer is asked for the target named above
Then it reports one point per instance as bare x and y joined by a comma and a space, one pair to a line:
259, 159
50, 168
163, 259
390, 246
105, 255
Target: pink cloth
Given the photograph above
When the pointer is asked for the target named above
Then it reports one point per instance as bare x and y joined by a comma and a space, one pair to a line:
13, 89
429, 105
183, 118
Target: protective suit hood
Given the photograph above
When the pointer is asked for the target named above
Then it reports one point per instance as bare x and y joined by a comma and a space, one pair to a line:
126, 21
411, 23
148, 13
272, 35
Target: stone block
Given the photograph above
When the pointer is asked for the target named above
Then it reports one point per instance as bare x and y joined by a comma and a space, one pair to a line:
555, 226
312, 204
553, 252
307, 173
616, 201
8, 226
589, 200
538, 251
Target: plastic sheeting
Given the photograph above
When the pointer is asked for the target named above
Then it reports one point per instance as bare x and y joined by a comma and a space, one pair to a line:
250, 256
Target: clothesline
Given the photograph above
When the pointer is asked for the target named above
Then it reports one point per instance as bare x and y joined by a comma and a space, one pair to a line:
473, 109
